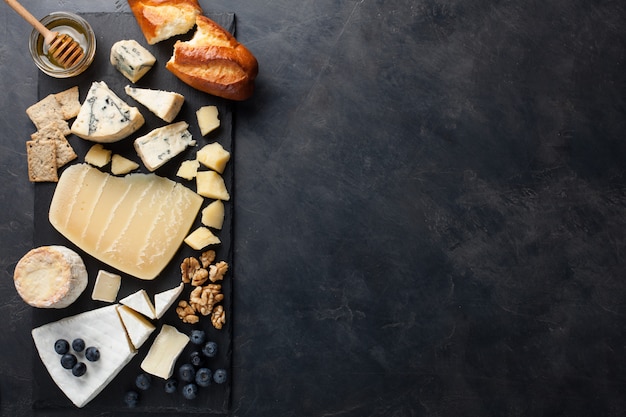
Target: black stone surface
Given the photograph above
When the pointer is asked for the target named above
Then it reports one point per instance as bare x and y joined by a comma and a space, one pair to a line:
430, 204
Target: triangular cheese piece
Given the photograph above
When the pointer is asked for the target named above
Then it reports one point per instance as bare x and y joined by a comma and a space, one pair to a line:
164, 300
104, 117
164, 104
101, 328
137, 326
140, 302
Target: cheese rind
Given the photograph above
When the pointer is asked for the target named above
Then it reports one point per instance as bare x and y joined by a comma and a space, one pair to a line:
166, 348
131, 59
106, 287
140, 302
163, 144
104, 117
50, 277
164, 104
164, 300
101, 328
134, 223
137, 327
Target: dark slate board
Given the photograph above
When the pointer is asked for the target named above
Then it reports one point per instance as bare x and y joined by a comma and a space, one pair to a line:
110, 28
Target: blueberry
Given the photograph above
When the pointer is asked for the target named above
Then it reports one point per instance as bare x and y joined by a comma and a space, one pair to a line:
219, 376
131, 398
210, 349
203, 377
143, 381
92, 354
79, 369
196, 359
186, 372
68, 361
190, 391
78, 345
197, 337
171, 385
61, 346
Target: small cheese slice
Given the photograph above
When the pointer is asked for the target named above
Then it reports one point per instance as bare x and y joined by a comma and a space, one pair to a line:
188, 169
137, 326
101, 328
140, 302
208, 119
50, 277
164, 300
211, 184
98, 156
213, 215
163, 144
213, 156
166, 348
106, 287
131, 59
134, 223
104, 117
164, 104
201, 238
121, 165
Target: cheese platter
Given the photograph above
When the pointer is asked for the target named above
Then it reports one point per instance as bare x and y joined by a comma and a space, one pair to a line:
130, 310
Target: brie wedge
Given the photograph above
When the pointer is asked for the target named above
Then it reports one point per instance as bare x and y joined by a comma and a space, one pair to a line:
164, 300
137, 326
140, 302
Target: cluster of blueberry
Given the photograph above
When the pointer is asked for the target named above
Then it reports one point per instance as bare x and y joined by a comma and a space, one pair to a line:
70, 360
193, 374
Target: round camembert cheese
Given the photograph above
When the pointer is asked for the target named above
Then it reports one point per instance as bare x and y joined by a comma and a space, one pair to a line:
50, 277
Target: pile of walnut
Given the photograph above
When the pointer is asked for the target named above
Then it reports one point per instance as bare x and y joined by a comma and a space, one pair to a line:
204, 299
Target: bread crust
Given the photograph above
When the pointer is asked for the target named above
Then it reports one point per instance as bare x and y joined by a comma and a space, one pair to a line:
213, 61
162, 19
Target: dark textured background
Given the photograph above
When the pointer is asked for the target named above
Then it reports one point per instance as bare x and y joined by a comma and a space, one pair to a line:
430, 208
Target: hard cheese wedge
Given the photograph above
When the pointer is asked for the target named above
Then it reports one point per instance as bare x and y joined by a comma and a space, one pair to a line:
101, 328
134, 223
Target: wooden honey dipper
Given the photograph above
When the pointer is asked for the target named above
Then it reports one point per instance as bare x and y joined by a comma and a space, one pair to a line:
62, 48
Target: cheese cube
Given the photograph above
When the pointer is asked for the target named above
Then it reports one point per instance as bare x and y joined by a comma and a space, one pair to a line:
164, 104
213, 215
163, 144
106, 287
98, 156
167, 347
131, 59
213, 156
211, 184
201, 238
188, 169
207, 119
121, 165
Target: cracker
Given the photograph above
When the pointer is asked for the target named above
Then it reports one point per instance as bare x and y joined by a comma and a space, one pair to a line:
68, 99
64, 151
45, 111
41, 155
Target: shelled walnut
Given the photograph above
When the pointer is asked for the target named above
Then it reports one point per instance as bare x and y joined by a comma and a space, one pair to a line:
186, 312
218, 317
217, 271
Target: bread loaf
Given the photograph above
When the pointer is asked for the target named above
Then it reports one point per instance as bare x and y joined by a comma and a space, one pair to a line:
162, 19
213, 61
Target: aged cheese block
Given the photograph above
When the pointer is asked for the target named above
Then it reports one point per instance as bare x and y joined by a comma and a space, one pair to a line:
50, 277
134, 223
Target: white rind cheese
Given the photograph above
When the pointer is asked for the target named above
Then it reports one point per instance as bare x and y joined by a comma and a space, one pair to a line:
104, 117
101, 328
164, 104
140, 302
166, 348
50, 277
131, 59
134, 223
106, 287
163, 144
137, 326
164, 300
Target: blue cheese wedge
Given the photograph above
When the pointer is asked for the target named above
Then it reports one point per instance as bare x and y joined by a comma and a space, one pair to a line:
101, 328
131, 59
164, 104
104, 117
163, 144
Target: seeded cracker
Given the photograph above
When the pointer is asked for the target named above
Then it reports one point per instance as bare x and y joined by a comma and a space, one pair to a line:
44, 111
68, 99
41, 157
64, 151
